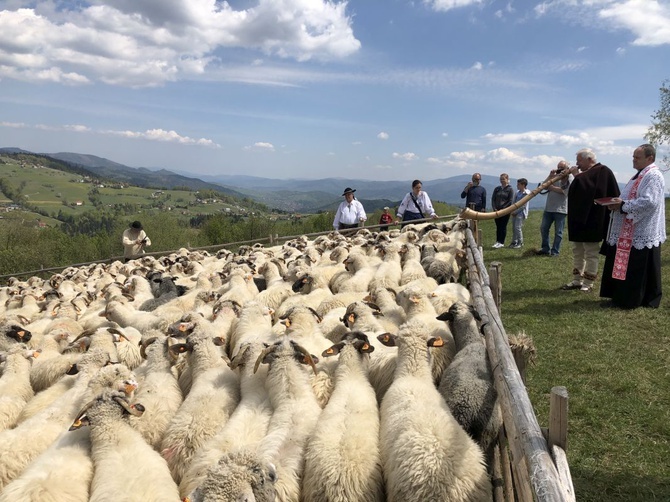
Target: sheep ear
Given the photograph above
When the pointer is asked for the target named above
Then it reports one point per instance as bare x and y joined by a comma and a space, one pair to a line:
445, 316
134, 409
72, 370
239, 358
333, 351
373, 306
387, 339
318, 317
436, 342
219, 341
363, 346
178, 348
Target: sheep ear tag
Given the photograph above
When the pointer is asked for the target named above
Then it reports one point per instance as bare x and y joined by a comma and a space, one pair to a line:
81, 421
436, 342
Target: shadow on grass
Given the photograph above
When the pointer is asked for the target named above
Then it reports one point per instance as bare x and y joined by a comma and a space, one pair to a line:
592, 487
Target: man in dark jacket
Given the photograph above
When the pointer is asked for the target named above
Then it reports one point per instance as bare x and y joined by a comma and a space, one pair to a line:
475, 194
588, 222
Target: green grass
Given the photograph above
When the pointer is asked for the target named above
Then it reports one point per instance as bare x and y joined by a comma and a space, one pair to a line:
615, 365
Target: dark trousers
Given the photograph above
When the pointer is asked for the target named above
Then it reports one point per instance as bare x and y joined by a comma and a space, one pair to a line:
408, 216
345, 228
501, 228
642, 287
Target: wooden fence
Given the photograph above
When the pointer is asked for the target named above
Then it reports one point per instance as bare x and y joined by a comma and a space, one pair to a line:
530, 464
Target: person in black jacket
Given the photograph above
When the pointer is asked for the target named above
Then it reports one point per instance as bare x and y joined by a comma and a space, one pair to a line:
588, 222
503, 196
475, 194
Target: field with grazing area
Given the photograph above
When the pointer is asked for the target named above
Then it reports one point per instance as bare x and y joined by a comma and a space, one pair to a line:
615, 365
54, 191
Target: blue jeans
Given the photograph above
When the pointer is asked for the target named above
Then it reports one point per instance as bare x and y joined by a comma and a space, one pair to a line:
558, 219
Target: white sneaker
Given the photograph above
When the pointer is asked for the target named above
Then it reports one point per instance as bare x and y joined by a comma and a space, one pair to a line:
498, 245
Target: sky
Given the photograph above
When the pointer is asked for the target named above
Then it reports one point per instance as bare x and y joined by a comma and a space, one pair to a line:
364, 89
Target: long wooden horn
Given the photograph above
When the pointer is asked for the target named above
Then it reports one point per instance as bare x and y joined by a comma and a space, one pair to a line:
471, 214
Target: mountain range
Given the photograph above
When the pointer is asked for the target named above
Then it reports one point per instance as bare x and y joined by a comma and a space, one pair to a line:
293, 195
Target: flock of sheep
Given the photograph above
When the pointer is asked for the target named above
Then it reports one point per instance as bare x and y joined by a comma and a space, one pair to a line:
346, 368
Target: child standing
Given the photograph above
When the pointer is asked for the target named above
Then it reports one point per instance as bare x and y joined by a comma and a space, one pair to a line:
386, 219
520, 214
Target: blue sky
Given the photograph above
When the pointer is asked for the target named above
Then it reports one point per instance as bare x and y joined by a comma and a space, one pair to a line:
368, 89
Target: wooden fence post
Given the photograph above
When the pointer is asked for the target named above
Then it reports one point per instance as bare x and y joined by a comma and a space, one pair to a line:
558, 417
495, 277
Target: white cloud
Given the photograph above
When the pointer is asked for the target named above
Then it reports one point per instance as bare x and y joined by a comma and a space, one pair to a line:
142, 43
477, 66
445, 134
383, 135
262, 145
445, 5
409, 156
648, 20
13, 125
164, 136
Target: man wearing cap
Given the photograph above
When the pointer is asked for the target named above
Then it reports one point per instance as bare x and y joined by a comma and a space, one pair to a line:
350, 212
134, 240
385, 220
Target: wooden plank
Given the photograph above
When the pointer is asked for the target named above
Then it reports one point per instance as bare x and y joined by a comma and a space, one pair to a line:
558, 418
561, 461
518, 413
495, 274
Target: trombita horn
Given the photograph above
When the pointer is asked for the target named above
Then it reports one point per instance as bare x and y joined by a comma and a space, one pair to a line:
470, 214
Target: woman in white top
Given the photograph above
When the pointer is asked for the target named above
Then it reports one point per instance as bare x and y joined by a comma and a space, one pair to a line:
350, 213
416, 205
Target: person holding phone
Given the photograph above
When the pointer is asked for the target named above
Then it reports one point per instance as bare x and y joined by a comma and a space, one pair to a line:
134, 241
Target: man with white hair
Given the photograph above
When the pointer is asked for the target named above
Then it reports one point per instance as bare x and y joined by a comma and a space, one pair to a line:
588, 221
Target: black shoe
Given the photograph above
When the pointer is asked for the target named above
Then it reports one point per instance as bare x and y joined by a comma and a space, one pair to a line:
542, 253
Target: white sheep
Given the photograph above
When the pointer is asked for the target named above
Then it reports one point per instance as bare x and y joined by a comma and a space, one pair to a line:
467, 383
43, 480
158, 391
126, 468
15, 389
245, 428
389, 271
21, 445
12, 333
239, 476
426, 455
295, 415
213, 396
418, 307
342, 460
360, 317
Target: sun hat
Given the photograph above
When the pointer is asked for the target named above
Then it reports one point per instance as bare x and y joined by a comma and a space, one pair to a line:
348, 190
386, 208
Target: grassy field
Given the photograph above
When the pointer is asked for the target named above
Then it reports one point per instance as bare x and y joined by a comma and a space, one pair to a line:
615, 365
53, 191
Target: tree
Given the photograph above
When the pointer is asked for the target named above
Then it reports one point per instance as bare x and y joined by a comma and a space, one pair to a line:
659, 132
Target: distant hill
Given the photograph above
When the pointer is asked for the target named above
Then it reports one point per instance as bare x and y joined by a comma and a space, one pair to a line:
139, 176
294, 195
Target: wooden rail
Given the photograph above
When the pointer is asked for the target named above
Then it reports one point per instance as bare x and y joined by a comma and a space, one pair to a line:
536, 476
